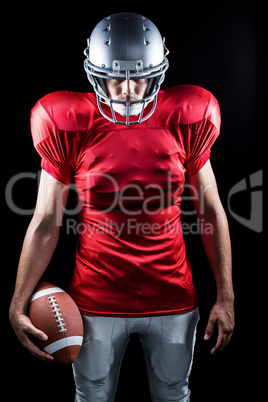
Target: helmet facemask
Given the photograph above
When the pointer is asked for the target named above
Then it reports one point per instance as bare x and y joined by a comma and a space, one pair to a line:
124, 69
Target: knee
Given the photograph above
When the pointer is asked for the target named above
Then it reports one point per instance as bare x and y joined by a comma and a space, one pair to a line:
94, 365
172, 363
171, 392
183, 399
170, 373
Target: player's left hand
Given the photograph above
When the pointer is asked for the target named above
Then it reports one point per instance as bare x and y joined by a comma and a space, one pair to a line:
222, 316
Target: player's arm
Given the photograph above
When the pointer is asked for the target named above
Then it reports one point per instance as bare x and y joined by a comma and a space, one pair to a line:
39, 244
218, 250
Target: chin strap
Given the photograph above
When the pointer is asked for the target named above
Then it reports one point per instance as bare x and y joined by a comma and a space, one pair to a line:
132, 110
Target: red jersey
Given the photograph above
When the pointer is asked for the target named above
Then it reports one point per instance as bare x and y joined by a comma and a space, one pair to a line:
130, 257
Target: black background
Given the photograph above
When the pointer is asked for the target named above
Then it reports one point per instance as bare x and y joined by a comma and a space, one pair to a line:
215, 45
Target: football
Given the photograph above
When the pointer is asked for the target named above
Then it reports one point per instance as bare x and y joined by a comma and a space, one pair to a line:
53, 311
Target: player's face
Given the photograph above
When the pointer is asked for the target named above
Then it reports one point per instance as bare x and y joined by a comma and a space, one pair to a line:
127, 90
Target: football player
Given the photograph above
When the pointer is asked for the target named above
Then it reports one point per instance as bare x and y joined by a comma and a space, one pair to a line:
129, 148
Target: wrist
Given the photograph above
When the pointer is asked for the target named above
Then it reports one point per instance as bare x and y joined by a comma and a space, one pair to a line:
17, 307
225, 297
225, 291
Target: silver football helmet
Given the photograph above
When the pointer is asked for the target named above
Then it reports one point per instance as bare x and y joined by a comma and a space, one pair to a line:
126, 46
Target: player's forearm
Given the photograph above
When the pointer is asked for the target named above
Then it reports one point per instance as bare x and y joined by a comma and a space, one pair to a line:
38, 248
217, 246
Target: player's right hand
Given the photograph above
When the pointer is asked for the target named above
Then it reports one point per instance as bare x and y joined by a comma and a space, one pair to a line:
26, 331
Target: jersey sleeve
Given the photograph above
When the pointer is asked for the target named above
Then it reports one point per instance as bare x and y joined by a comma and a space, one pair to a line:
51, 144
199, 138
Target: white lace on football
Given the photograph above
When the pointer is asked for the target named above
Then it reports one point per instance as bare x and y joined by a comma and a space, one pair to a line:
57, 313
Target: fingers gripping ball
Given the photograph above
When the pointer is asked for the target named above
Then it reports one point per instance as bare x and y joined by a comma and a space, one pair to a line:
55, 313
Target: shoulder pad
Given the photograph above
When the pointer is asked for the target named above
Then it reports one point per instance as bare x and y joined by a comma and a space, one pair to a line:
193, 103
69, 111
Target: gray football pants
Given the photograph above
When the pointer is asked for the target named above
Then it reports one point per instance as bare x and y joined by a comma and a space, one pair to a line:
168, 344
